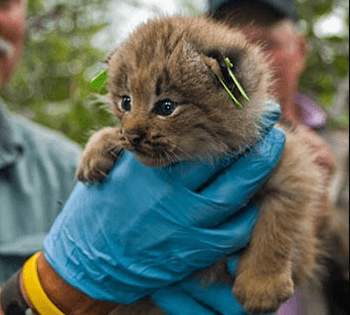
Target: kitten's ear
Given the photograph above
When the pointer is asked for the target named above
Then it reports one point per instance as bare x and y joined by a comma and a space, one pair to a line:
109, 56
215, 60
212, 64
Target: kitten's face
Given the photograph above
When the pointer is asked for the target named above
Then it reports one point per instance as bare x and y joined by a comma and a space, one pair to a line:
170, 104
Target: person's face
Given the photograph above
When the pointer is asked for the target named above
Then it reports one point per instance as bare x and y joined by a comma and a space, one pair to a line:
12, 18
288, 52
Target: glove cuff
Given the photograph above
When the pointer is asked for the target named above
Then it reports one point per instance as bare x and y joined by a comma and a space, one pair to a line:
50, 294
34, 290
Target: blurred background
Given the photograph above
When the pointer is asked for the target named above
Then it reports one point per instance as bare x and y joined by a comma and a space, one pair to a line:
68, 40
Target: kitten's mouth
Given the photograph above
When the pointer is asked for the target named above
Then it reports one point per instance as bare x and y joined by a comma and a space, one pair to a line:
153, 158
151, 154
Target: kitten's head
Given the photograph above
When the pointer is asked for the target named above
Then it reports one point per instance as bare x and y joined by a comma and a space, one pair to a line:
171, 105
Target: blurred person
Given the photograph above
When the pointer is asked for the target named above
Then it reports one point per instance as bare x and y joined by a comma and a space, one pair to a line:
37, 166
273, 24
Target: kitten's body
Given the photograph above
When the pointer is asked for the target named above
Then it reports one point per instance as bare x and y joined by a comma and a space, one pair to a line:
172, 108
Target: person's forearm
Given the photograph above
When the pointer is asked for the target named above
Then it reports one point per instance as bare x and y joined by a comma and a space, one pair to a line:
61, 295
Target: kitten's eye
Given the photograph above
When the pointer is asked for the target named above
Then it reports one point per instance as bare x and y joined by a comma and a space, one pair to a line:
125, 103
165, 108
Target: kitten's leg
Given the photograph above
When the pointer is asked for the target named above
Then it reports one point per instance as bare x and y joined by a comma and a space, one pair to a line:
99, 155
264, 277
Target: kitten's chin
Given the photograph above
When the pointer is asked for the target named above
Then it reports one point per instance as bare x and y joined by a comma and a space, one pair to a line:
151, 158
151, 161
152, 155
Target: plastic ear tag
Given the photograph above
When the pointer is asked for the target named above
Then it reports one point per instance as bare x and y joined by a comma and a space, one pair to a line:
98, 81
236, 101
239, 86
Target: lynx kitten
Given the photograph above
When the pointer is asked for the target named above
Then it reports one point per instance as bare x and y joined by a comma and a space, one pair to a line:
162, 88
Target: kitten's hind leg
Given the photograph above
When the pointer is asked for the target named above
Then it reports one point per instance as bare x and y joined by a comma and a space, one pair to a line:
265, 273
264, 276
99, 156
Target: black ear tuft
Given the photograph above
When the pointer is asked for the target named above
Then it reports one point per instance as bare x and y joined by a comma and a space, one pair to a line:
216, 54
221, 66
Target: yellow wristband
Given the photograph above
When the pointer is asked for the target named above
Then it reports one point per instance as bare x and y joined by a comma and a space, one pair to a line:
34, 290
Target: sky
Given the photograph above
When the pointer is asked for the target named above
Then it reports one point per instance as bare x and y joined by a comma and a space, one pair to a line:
125, 17
129, 16
332, 24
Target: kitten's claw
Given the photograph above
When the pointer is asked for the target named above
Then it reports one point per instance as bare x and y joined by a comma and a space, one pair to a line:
104, 174
99, 156
261, 294
114, 152
93, 169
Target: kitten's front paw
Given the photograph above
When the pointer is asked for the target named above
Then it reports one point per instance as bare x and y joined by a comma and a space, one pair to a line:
261, 294
99, 156
93, 167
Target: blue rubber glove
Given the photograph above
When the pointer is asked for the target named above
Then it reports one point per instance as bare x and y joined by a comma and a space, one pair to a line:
146, 228
189, 297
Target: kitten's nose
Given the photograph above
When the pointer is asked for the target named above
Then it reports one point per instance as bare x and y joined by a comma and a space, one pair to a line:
135, 137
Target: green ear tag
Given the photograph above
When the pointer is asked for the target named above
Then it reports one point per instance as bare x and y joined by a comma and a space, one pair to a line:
98, 81
236, 101
239, 86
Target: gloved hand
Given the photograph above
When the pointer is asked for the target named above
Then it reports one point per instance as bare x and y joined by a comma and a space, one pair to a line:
189, 297
146, 228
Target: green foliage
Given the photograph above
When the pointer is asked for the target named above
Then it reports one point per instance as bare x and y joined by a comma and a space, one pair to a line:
328, 60
52, 83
